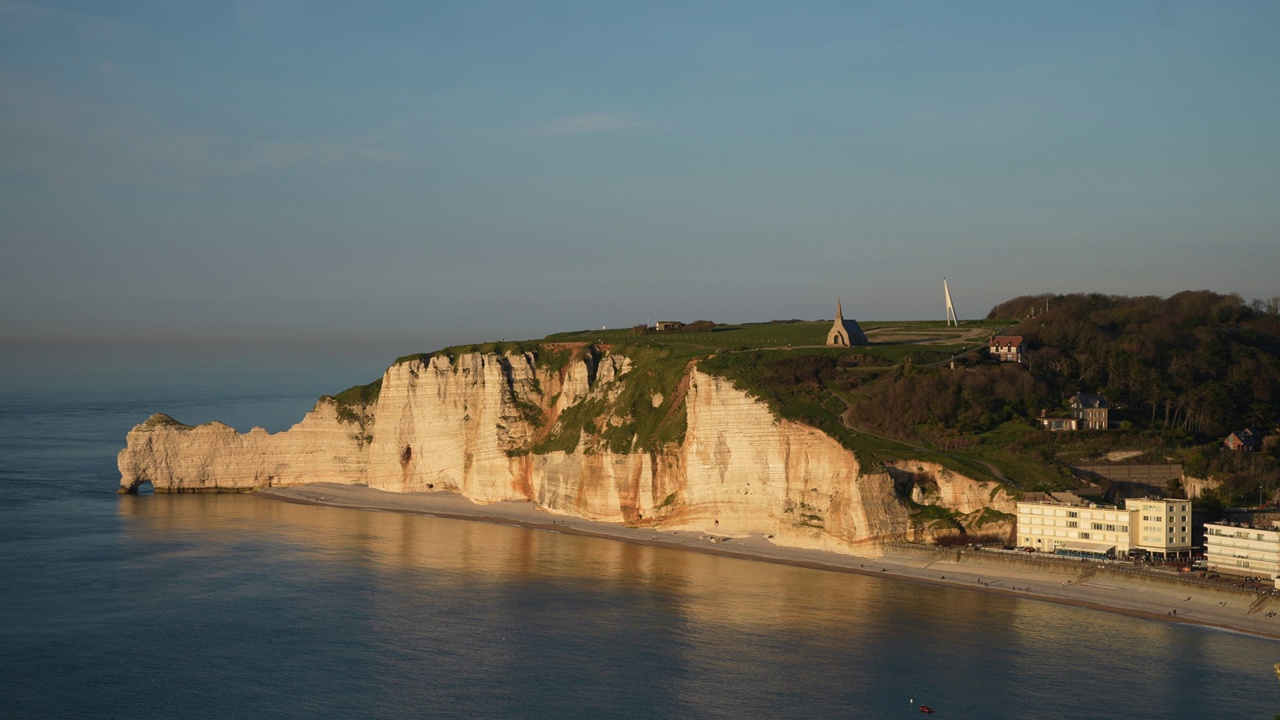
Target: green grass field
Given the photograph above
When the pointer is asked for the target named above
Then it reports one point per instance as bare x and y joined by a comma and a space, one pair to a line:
922, 341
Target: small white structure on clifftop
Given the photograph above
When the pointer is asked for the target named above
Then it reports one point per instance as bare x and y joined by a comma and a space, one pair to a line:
845, 333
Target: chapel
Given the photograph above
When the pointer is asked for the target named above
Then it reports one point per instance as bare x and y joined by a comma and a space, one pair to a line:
845, 333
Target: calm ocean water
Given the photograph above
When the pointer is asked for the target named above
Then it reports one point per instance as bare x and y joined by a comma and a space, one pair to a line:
240, 607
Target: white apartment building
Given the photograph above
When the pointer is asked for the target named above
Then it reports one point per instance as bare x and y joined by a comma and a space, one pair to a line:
1080, 529
1157, 526
1162, 526
1242, 550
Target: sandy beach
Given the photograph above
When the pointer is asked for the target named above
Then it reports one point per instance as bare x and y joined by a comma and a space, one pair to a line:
1071, 583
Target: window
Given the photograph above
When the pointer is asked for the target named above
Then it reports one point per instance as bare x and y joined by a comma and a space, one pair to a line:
1072, 523
1096, 526
1084, 536
1072, 513
1111, 528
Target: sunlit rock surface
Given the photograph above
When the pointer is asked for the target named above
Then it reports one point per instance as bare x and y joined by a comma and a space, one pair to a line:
469, 425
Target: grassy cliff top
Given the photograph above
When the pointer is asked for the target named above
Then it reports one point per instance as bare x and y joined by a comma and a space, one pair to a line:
906, 336
785, 363
1179, 373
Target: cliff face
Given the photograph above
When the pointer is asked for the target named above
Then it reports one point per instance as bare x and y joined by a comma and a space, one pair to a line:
215, 458
470, 424
971, 502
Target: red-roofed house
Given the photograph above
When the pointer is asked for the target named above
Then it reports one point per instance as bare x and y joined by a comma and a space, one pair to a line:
1007, 348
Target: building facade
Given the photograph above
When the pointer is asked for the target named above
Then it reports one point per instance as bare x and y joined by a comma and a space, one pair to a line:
1158, 526
1007, 348
1094, 530
1059, 424
1092, 410
1162, 526
1242, 550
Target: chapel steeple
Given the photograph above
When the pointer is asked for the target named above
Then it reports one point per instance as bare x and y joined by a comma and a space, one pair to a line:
845, 333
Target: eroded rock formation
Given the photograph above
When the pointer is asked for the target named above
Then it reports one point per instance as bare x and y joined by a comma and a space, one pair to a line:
473, 424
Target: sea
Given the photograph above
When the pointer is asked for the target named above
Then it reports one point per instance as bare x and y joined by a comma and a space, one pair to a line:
238, 606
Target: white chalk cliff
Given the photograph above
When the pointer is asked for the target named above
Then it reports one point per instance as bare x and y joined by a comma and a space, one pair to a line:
472, 425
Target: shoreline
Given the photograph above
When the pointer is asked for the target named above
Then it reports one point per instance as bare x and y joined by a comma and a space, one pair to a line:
1081, 586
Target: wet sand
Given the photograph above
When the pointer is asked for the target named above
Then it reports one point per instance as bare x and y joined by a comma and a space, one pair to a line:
1065, 583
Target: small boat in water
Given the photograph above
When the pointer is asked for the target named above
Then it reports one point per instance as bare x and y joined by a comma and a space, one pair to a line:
926, 709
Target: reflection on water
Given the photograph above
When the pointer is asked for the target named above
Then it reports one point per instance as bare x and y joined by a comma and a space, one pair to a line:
714, 590
481, 618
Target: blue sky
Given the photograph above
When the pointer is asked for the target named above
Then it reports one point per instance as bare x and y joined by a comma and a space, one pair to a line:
395, 177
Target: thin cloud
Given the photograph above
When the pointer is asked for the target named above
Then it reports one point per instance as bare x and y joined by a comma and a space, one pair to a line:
592, 123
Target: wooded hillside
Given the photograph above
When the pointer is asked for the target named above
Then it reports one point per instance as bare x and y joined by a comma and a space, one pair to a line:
1198, 361
1180, 373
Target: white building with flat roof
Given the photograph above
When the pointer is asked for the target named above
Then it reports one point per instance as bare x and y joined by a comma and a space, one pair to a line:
1157, 526
1242, 550
1163, 526
1074, 529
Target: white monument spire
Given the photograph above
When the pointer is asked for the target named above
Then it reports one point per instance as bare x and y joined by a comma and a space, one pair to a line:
951, 309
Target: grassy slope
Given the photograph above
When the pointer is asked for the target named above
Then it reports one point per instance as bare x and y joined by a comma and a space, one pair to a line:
754, 357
